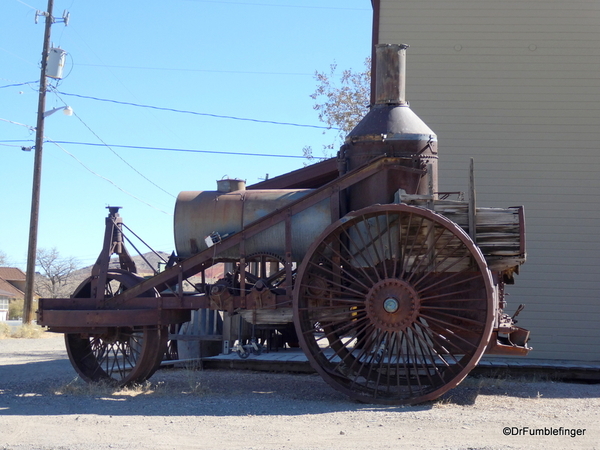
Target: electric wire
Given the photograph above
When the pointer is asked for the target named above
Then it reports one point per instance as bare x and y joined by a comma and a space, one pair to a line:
160, 123
214, 152
17, 123
11, 145
177, 69
282, 6
141, 147
115, 153
46, 139
19, 84
196, 113
106, 179
218, 116
104, 144
23, 3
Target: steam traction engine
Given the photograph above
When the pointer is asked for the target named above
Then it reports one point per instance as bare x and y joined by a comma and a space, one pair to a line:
395, 292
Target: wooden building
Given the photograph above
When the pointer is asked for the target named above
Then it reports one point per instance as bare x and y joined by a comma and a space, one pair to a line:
12, 285
4, 301
516, 85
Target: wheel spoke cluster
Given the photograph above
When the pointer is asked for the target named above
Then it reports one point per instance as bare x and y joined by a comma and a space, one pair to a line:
118, 356
393, 305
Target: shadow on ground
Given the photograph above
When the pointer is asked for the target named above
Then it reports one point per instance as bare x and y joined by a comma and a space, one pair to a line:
50, 387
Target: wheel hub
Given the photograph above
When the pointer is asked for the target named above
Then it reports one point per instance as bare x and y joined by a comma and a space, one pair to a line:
392, 304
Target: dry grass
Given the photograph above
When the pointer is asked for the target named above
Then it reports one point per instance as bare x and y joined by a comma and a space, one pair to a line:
77, 387
28, 331
4, 330
191, 383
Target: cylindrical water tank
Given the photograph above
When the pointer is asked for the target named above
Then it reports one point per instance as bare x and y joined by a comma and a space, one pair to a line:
198, 214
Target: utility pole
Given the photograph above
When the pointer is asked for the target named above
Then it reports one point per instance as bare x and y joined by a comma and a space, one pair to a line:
37, 166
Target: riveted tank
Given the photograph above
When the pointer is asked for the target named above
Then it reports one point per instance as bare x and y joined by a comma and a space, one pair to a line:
221, 213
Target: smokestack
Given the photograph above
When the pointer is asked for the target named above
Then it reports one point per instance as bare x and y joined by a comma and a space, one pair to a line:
390, 85
392, 129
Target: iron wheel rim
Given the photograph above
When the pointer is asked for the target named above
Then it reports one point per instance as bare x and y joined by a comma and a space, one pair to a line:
119, 355
438, 318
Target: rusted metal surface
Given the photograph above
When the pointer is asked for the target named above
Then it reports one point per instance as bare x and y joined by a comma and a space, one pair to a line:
101, 318
310, 177
409, 314
134, 299
390, 128
113, 243
390, 86
120, 354
198, 214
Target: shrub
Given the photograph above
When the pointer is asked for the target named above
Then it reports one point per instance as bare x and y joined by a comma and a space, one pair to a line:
15, 309
4, 330
28, 331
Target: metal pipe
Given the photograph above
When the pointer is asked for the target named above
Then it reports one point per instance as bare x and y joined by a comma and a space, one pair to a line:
390, 81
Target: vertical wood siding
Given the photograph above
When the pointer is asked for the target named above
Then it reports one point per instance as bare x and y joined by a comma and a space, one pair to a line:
516, 85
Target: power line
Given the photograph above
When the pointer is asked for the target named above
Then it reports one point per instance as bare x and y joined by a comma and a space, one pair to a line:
119, 156
283, 6
241, 72
160, 108
20, 124
214, 152
11, 145
29, 6
272, 122
115, 153
57, 143
140, 147
18, 84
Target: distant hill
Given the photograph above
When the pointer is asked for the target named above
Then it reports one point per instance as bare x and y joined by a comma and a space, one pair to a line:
146, 264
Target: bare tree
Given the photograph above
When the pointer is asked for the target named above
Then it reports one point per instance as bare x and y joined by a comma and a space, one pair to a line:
341, 105
3, 259
56, 271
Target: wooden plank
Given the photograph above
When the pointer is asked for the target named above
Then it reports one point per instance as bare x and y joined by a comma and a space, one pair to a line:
497, 230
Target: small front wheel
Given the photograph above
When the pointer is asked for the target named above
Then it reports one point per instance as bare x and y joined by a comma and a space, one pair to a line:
120, 355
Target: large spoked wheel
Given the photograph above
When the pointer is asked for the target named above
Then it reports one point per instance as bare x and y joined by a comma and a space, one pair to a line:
393, 304
123, 355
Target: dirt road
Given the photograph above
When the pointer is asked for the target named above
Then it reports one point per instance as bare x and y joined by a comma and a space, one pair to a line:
44, 406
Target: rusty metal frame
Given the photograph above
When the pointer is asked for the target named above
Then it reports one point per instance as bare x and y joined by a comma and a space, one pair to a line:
131, 308
113, 243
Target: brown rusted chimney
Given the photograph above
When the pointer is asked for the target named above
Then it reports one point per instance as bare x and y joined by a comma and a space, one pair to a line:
390, 128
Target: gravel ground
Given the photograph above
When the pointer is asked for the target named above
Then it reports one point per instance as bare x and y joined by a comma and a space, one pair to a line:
44, 406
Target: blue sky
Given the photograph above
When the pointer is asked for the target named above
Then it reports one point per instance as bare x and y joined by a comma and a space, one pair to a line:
249, 59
